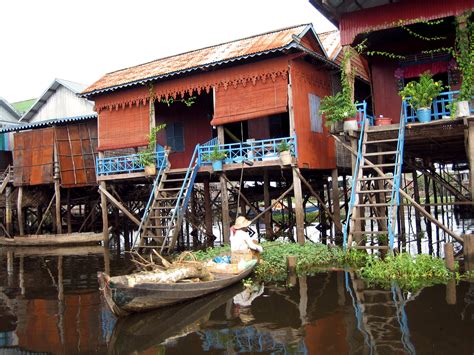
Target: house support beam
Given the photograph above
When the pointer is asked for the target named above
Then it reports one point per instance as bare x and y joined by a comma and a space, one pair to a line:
225, 209
267, 201
103, 205
19, 208
119, 205
208, 213
299, 210
8, 210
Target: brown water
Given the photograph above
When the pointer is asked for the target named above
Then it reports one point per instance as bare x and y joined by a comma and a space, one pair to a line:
52, 305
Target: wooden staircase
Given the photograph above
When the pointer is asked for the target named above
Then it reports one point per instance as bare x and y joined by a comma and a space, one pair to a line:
164, 215
5, 178
374, 200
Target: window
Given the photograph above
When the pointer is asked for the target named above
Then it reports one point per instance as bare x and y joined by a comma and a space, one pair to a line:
315, 117
175, 136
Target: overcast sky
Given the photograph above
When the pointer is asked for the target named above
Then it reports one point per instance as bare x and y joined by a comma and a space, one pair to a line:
82, 40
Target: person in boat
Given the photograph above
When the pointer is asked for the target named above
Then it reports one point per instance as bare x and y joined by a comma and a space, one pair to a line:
241, 245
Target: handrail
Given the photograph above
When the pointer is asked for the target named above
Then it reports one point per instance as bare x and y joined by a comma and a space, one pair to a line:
354, 182
395, 194
163, 165
193, 164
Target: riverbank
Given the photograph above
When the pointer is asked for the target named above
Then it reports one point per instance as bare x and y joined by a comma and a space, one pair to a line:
410, 272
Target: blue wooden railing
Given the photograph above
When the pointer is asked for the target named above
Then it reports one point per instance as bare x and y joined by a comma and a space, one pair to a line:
354, 182
258, 150
362, 113
125, 163
439, 107
395, 194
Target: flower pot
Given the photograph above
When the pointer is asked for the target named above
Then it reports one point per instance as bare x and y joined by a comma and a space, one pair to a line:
217, 165
285, 157
462, 109
383, 121
423, 114
350, 124
336, 127
150, 169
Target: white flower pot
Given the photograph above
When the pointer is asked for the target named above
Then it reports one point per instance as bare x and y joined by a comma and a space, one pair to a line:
462, 109
285, 157
350, 125
150, 169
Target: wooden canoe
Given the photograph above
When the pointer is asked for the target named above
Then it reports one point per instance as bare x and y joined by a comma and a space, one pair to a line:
123, 300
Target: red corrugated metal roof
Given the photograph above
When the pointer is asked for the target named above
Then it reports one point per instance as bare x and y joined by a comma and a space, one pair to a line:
387, 16
214, 55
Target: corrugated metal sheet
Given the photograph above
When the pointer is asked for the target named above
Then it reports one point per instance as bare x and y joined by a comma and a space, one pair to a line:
210, 56
387, 16
47, 123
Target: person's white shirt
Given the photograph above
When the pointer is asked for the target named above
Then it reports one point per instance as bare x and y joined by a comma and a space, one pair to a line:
240, 241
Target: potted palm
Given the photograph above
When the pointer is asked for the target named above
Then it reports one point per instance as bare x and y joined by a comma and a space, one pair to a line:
337, 109
147, 157
216, 156
420, 94
284, 151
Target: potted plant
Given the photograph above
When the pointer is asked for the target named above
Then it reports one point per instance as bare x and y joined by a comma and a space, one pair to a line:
420, 94
463, 55
216, 156
383, 121
284, 151
147, 157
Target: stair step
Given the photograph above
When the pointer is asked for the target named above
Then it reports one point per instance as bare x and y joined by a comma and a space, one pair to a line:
155, 208
169, 198
374, 178
370, 217
173, 180
372, 191
370, 247
160, 217
382, 141
378, 165
169, 189
381, 204
375, 154
368, 232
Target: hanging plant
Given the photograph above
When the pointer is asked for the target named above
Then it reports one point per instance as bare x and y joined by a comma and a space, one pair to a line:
147, 157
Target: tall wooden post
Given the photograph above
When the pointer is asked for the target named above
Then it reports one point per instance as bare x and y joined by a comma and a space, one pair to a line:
57, 190
103, 204
208, 210
225, 210
8, 210
336, 210
19, 209
428, 209
299, 211
416, 193
68, 212
356, 224
266, 200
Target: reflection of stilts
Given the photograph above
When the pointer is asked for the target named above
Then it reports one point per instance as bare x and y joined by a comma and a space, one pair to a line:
381, 317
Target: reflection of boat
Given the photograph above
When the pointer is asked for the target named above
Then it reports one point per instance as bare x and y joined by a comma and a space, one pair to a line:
140, 332
123, 299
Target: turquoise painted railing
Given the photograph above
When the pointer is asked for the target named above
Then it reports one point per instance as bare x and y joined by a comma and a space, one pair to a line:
354, 182
362, 113
395, 194
258, 150
125, 163
183, 198
161, 168
439, 107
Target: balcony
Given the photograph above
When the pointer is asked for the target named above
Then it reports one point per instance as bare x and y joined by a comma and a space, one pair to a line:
263, 151
439, 108
125, 165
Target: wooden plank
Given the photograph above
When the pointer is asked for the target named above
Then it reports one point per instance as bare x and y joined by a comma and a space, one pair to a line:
55, 251
117, 204
53, 239
122, 176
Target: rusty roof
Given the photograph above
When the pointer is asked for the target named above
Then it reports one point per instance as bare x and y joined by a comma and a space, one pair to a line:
206, 57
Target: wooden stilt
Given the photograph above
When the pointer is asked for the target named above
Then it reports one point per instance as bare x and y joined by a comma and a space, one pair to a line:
336, 211
428, 210
416, 195
103, 204
468, 252
322, 215
356, 223
19, 210
449, 256
266, 200
208, 213
57, 192
225, 210
299, 211
8, 209
68, 213
291, 268
435, 197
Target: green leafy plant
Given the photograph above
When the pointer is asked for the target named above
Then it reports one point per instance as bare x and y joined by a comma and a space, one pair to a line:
420, 94
339, 106
464, 55
283, 146
147, 156
216, 154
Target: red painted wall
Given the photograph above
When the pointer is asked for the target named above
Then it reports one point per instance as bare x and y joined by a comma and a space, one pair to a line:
196, 122
315, 150
386, 100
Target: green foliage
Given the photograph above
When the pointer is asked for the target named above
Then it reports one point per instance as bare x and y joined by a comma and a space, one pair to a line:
339, 106
188, 101
464, 55
283, 146
410, 272
420, 94
215, 154
211, 253
147, 156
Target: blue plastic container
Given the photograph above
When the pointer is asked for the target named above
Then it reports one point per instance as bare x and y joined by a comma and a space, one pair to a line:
424, 114
217, 165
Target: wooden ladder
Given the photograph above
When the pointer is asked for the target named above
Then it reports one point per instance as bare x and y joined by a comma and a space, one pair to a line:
5, 178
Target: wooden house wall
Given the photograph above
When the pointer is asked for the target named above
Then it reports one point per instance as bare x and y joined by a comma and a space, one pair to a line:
386, 100
33, 157
315, 150
77, 150
196, 125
